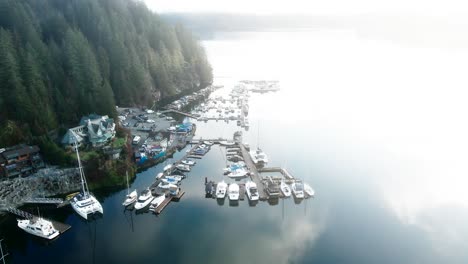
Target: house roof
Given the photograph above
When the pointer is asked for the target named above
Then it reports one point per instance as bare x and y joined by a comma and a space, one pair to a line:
70, 137
19, 150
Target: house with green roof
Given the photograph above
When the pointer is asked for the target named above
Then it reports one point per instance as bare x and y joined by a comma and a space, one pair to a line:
94, 130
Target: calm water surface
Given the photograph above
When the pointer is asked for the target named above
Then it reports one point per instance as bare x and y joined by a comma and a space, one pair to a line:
377, 128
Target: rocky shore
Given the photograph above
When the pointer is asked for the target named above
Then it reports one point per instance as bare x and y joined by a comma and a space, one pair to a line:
46, 182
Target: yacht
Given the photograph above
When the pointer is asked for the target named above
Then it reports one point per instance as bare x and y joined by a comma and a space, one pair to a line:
285, 189
258, 156
308, 190
221, 190
156, 202
237, 173
177, 178
144, 199
166, 185
170, 181
233, 192
251, 189
188, 162
131, 197
167, 167
39, 227
298, 190
84, 203
183, 167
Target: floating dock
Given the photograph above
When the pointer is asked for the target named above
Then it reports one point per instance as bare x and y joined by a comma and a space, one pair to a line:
44, 200
254, 175
163, 205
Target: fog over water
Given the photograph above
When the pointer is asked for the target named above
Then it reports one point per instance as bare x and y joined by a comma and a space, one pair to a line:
376, 126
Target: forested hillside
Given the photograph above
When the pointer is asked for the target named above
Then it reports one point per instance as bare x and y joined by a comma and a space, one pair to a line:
61, 59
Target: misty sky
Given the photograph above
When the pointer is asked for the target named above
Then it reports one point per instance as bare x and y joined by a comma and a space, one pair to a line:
323, 7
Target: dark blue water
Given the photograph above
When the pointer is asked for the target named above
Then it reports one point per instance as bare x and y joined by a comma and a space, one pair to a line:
389, 183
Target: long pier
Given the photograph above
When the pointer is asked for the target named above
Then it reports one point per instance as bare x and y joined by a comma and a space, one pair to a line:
254, 175
43, 200
283, 172
178, 112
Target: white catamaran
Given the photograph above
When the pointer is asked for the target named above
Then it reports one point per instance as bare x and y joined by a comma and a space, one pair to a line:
84, 203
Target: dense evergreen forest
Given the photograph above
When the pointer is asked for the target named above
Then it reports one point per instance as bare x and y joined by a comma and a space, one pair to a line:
61, 59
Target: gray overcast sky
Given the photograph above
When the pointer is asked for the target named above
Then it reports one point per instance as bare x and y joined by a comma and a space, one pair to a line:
322, 7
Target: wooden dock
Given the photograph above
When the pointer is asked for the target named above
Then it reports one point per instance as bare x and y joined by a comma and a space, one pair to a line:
178, 112
283, 172
164, 204
254, 174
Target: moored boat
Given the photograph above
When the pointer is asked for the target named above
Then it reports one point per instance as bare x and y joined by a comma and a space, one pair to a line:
308, 190
298, 190
221, 188
39, 227
233, 192
251, 190
285, 189
156, 202
144, 199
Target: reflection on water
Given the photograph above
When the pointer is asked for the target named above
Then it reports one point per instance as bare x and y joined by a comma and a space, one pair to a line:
375, 128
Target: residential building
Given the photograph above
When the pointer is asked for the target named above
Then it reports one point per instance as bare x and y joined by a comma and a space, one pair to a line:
20, 160
94, 130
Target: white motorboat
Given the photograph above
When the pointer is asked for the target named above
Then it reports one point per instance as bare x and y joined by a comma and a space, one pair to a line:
159, 175
227, 143
285, 189
298, 190
237, 173
170, 181
144, 199
167, 167
131, 197
166, 185
258, 156
233, 192
183, 167
156, 202
84, 203
221, 188
308, 190
39, 227
175, 177
251, 190
188, 162
208, 143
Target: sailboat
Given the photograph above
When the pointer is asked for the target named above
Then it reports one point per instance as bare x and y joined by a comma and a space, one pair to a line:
84, 203
258, 156
131, 196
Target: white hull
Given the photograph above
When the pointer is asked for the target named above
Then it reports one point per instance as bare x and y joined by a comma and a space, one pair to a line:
298, 193
130, 198
308, 190
221, 190
258, 157
46, 231
285, 189
233, 192
87, 206
237, 174
156, 202
252, 195
140, 205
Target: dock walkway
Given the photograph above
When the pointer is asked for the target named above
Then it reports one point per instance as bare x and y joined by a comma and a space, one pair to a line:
254, 174
178, 112
43, 200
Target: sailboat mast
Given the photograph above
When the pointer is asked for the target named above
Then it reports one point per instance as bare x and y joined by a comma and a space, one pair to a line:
128, 186
80, 168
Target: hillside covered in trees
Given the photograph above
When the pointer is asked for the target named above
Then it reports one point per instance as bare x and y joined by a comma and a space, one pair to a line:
60, 60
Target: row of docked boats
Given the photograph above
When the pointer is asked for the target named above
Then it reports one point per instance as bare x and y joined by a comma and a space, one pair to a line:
298, 189
232, 190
